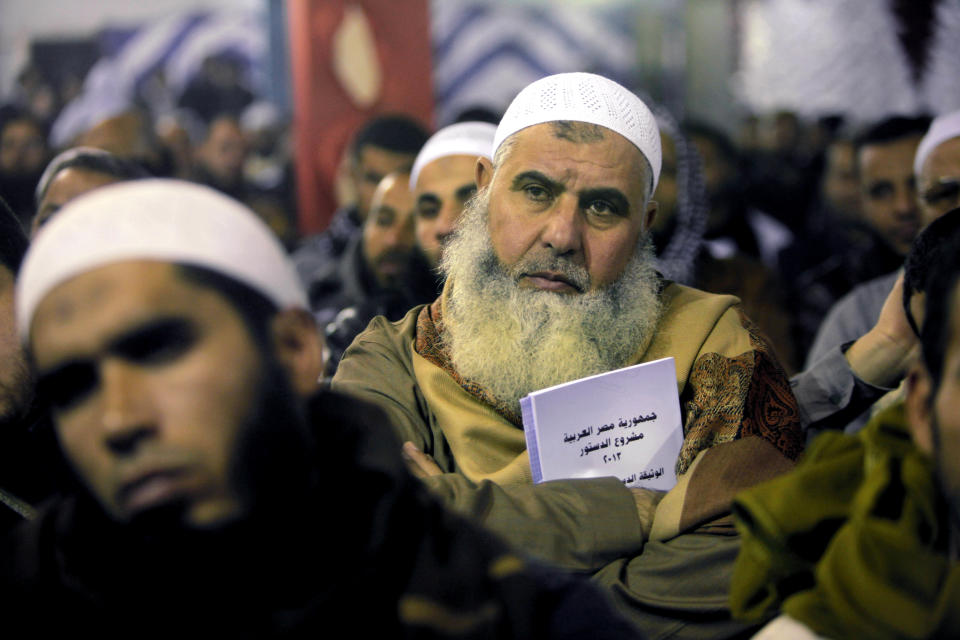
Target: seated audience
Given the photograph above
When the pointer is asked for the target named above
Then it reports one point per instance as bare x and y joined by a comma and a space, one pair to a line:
216, 492
859, 541
837, 391
550, 277
933, 161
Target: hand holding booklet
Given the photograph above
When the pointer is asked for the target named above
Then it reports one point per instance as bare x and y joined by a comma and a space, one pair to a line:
624, 423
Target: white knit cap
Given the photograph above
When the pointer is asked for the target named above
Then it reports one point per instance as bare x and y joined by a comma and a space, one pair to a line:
164, 220
584, 97
942, 128
461, 139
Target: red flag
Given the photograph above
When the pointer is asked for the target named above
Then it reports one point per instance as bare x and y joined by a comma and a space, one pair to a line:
351, 60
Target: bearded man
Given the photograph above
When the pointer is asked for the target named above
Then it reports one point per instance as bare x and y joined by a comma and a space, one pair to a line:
550, 278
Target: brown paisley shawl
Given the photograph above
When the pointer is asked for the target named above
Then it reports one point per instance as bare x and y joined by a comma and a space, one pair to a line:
730, 398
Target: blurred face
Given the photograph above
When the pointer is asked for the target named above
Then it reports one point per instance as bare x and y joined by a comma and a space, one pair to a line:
443, 188
567, 215
939, 181
65, 186
22, 148
16, 382
151, 380
840, 188
372, 166
388, 231
888, 191
934, 415
224, 150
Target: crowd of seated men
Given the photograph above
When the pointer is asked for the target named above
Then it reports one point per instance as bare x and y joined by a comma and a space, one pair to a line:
210, 425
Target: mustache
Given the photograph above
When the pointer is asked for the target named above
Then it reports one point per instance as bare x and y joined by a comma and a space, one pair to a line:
575, 274
394, 255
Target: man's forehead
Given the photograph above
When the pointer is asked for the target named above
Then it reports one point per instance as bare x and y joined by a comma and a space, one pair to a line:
138, 280
458, 168
393, 190
943, 161
88, 308
546, 144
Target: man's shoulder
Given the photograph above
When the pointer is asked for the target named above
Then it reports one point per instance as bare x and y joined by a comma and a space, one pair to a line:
382, 342
403, 330
680, 299
853, 314
870, 290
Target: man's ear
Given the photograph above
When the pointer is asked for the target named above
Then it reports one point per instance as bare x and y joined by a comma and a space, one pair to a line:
299, 348
919, 407
650, 215
484, 172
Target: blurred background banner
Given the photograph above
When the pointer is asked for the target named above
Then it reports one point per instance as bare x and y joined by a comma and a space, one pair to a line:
351, 60
484, 52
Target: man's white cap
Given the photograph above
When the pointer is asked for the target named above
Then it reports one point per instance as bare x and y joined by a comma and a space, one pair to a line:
942, 128
461, 139
164, 220
584, 97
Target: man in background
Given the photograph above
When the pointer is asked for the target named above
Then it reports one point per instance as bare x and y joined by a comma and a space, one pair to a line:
382, 146
443, 181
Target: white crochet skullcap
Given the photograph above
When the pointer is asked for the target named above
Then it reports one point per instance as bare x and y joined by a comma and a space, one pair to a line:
584, 97
461, 139
942, 128
164, 220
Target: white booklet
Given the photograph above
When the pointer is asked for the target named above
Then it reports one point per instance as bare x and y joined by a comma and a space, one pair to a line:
624, 423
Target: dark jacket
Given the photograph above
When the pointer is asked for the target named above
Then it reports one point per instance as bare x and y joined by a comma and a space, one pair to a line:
363, 550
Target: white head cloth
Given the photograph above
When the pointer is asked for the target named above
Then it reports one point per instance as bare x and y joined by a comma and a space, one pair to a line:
942, 128
164, 220
461, 139
584, 97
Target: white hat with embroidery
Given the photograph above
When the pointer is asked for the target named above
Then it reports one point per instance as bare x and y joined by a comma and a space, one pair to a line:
585, 97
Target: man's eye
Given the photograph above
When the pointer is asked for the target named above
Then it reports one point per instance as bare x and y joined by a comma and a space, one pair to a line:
157, 345
879, 191
536, 192
601, 208
942, 193
427, 211
68, 386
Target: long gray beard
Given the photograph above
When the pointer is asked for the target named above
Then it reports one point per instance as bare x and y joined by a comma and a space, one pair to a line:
512, 341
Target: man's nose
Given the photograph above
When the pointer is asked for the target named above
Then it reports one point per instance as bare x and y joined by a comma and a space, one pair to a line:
906, 201
563, 226
127, 419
